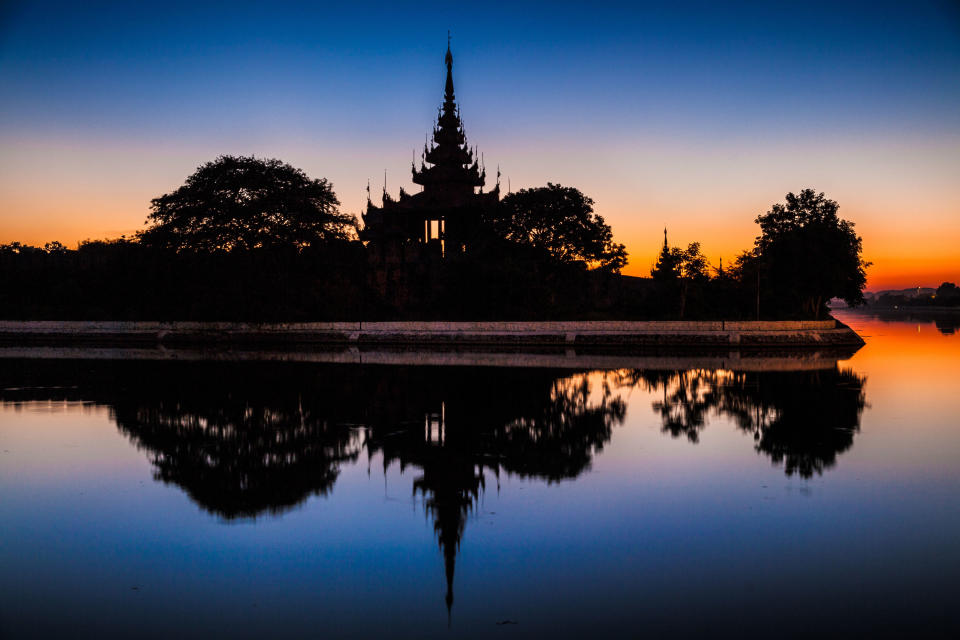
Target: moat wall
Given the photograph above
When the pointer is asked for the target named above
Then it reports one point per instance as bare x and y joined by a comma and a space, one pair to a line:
520, 334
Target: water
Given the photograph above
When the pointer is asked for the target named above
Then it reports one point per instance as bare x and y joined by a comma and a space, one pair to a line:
166, 498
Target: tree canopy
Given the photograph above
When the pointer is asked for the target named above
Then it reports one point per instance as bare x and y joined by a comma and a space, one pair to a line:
561, 221
678, 270
948, 290
808, 254
686, 264
243, 202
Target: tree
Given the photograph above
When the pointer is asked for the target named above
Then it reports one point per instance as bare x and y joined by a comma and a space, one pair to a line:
947, 291
678, 270
694, 266
55, 247
808, 254
561, 221
246, 203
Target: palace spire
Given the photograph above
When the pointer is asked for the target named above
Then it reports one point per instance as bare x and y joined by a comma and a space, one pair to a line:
455, 167
448, 96
444, 218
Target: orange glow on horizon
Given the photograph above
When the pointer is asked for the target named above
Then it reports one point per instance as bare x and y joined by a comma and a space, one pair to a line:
102, 189
896, 264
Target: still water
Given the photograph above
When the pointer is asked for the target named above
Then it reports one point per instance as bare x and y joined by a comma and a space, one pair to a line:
780, 496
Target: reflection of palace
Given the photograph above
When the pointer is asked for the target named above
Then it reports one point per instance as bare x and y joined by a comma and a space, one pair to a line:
461, 422
243, 439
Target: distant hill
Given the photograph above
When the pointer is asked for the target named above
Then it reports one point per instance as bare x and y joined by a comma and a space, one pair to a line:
913, 292
946, 296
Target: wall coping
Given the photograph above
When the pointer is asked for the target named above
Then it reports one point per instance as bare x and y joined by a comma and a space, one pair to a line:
441, 327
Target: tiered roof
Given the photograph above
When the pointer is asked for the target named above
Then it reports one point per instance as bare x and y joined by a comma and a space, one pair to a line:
447, 162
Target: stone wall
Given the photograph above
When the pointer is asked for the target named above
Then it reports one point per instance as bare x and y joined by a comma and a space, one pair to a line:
598, 333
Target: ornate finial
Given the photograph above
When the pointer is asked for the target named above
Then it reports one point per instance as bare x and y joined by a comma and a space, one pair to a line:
665, 238
368, 190
448, 89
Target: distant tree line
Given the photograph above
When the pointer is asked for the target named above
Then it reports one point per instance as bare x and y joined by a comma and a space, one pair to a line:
252, 239
946, 295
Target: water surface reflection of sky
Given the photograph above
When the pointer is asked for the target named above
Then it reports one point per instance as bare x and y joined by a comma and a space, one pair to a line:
291, 499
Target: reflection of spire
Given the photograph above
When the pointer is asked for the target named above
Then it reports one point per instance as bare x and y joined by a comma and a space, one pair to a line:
449, 564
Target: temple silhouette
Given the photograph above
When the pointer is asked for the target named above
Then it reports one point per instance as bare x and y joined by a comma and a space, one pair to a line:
416, 230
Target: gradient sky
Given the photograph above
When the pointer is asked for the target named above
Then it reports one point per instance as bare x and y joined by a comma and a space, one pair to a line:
697, 116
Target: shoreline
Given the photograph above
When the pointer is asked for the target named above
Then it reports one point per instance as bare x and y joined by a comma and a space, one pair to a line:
604, 333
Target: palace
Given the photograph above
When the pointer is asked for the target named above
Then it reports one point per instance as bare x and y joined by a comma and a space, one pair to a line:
443, 218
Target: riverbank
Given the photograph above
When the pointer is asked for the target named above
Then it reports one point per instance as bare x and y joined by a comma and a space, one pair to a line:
737, 334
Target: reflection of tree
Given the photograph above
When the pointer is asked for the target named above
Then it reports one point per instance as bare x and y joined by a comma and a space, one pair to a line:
802, 419
239, 445
947, 325
687, 398
240, 440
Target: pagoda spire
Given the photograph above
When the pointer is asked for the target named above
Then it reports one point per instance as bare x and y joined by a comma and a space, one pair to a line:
455, 165
448, 96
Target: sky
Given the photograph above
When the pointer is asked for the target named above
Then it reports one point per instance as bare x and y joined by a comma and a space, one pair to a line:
692, 116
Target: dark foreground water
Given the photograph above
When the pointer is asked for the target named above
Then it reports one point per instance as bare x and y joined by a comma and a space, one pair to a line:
289, 499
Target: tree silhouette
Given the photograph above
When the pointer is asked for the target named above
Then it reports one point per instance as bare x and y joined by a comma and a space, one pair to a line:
808, 254
681, 273
243, 202
948, 293
561, 221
